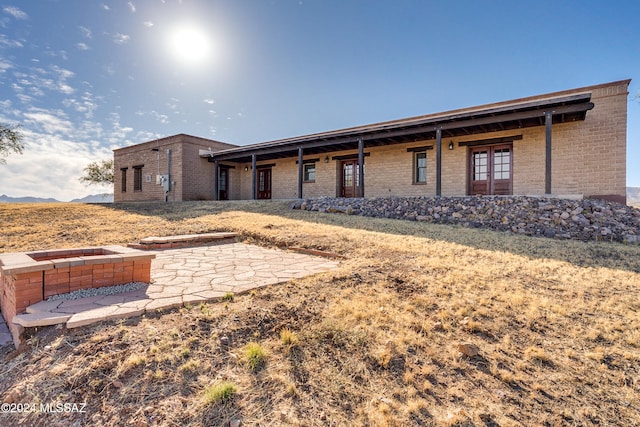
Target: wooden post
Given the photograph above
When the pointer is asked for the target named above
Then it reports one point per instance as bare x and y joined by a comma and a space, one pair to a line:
547, 166
361, 167
439, 161
254, 185
216, 180
300, 171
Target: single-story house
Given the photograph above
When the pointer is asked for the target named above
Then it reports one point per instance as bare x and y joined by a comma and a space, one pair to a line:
568, 144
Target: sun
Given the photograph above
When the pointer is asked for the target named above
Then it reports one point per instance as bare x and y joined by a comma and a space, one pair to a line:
190, 44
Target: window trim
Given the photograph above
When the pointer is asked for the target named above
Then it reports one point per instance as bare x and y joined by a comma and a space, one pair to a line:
137, 178
416, 168
123, 180
305, 172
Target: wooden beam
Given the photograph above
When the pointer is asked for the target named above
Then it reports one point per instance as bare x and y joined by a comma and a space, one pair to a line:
421, 148
547, 165
361, 167
307, 161
425, 128
348, 156
490, 141
439, 161
300, 170
216, 180
254, 184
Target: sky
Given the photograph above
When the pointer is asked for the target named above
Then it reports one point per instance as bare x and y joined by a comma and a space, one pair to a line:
83, 77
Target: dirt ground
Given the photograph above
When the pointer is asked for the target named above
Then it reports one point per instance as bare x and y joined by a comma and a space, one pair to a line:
388, 339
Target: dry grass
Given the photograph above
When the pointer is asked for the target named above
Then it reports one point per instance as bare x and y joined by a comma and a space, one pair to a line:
373, 343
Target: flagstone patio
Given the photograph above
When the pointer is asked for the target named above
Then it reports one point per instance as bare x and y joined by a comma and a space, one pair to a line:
179, 277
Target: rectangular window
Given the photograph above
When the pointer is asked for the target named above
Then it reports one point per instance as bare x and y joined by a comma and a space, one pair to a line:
123, 179
420, 173
137, 178
310, 172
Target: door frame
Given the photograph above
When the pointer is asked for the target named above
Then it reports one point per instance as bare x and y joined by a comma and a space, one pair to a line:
266, 193
490, 149
223, 194
354, 190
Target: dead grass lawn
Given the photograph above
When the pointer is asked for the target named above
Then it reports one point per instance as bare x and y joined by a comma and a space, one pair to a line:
374, 343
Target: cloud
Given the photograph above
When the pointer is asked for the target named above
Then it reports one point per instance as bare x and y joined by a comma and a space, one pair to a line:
4, 65
48, 121
121, 38
162, 118
209, 101
105, 7
38, 79
132, 7
148, 24
54, 164
15, 12
86, 32
85, 105
82, 46
7, 42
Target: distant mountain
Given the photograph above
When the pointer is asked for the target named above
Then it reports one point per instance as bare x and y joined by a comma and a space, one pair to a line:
633, 196
6, 199
95, 198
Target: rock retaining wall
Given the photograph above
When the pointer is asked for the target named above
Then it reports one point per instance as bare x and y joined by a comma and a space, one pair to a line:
587, 219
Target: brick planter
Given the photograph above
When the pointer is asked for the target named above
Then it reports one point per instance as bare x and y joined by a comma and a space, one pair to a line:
30, 277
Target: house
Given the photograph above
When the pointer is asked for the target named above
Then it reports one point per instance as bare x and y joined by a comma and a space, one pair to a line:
569, 144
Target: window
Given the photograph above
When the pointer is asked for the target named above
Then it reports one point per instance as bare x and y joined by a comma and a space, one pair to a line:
480, 165
123, 179
137, 178
310, 172
502, 163
222, 181
420, 172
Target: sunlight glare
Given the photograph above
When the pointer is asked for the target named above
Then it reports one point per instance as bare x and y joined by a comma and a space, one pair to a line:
190, 44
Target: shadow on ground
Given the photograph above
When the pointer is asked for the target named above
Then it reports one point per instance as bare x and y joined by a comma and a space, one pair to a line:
583, 254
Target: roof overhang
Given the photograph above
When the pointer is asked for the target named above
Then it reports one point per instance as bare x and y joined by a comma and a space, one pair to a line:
500, 117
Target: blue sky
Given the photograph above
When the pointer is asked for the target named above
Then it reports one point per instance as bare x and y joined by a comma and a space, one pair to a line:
85, 77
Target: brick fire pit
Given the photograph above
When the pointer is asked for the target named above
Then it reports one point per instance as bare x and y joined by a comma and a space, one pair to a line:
30, 277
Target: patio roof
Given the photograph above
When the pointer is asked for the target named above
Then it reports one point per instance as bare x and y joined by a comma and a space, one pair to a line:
528, 112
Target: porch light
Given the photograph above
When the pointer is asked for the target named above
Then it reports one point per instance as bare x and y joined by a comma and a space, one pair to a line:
326, 159
451, 145
246, 168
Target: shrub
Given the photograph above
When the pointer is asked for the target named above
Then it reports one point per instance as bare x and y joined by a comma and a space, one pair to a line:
287, 337
254, 356
220, 393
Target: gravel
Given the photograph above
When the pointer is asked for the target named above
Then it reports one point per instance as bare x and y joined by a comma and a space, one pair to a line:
92, 292
586, 220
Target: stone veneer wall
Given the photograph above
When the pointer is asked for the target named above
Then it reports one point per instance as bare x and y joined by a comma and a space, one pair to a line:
589, 219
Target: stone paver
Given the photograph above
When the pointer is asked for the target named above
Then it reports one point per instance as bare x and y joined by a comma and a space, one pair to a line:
179, 277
